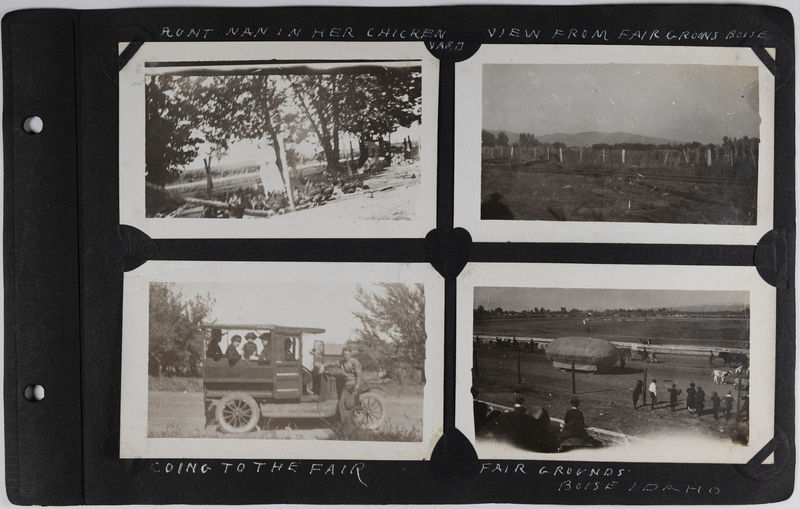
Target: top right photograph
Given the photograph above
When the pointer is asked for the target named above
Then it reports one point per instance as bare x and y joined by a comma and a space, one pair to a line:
615, 144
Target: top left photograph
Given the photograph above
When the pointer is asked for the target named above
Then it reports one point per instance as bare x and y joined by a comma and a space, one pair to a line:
278, 140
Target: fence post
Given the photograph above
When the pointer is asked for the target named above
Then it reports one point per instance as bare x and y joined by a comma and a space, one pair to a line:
708, 157
645, 391
623, 156
548, 153
581, 159
666, 156
573, 377
603, 154
560, 155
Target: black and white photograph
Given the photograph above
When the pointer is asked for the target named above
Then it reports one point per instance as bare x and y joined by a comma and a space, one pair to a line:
607, 372
296, 365
285, 142
615, 140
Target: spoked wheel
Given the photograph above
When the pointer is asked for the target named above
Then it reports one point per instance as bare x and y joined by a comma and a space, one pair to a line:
370, 412
238, 413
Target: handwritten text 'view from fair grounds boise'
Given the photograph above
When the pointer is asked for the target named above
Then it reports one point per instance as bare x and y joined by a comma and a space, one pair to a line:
510, 33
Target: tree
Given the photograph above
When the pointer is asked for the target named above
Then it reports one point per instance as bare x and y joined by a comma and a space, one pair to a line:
392, 326
175, 339
502, 139
368, 103
170, 138
375, 103
488, 139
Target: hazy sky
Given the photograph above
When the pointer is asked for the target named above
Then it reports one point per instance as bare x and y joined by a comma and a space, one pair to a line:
319, 305
678, 102
517, 299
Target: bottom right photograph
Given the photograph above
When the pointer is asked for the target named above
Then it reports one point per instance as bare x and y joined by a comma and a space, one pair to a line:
616, 363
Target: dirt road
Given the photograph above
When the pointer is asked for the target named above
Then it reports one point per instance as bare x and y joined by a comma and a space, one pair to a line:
173, 414
606, 397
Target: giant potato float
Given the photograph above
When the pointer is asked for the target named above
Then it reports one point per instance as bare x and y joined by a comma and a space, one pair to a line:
589, 354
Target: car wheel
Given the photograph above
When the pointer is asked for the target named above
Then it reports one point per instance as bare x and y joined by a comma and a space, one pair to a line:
238, 413
370, 412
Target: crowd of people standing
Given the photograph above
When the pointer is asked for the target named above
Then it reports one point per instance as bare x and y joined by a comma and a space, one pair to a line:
695, 400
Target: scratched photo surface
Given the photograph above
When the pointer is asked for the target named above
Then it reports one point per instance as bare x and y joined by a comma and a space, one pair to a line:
259, 364
627, 138
291, 139
537, 349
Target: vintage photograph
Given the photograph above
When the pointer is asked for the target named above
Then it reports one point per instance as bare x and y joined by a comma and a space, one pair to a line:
600, 139
286, 141
606, 372
282, 362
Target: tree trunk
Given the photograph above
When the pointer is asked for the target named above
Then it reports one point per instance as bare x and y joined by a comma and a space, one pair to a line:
209, 183
363, 152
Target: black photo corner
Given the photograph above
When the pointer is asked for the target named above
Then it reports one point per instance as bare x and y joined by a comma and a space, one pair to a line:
67, 251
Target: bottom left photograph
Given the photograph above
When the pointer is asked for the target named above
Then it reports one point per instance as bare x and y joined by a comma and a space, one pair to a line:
261, 360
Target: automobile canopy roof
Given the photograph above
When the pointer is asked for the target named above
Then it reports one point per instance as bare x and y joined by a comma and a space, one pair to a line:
280, 329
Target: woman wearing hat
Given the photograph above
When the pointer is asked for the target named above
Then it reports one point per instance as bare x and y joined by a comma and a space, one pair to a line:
249, 349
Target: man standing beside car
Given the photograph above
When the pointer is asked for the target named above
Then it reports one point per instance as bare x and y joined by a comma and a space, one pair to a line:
348, 397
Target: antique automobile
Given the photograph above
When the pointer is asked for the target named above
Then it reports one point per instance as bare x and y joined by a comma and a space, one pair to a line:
273, 382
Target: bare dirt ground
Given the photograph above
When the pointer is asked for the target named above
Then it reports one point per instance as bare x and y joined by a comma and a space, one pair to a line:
606, 397
544, 196
179, 414
393, 193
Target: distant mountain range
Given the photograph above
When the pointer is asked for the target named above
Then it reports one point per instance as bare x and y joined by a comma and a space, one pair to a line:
587, 139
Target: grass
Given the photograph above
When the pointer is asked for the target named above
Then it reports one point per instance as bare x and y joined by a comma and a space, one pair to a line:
343, 431
175, 384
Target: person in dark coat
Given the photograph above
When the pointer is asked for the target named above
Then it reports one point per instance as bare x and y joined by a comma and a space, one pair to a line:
744, 408
673, 396
638, 391
574, 425
700, 400
250, 348
480, 410
715, 404
690, 397
232, 353
495, 208
727, 405
265, 357
214, 351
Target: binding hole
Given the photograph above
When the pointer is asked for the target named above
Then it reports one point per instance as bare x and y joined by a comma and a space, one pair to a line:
34, 393
33, 125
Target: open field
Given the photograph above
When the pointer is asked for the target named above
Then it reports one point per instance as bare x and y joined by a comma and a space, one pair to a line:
711, 332
176, 413
606, 397
549, 192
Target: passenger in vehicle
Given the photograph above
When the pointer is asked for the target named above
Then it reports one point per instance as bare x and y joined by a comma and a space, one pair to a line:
266, 348
288, 346
250, 348
214, 351
232, 353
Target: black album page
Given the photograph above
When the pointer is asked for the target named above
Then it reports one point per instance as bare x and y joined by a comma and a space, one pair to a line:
404, 255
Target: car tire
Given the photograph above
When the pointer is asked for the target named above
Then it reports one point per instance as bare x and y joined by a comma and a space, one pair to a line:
238, 413
370, 412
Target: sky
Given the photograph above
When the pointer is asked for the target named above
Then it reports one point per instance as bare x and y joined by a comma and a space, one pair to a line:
517, 299
677, 102
327, 306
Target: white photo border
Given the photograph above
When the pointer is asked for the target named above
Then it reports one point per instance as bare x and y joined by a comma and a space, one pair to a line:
134, 440
132, 139
641, 277
468, 122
